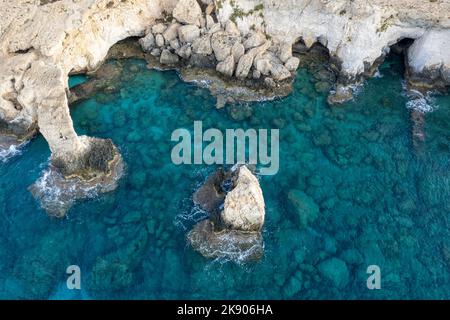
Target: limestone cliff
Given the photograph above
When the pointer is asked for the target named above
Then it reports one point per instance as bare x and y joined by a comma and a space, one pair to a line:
43, 41
357, 32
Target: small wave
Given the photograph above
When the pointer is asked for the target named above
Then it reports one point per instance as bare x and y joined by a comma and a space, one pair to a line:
377, 74
186, 219
10, 152
57, 194
420, 102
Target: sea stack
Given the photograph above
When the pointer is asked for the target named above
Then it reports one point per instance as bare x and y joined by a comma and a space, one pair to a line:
236, 208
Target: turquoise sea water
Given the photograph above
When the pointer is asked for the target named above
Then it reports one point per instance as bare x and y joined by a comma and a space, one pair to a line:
382, 199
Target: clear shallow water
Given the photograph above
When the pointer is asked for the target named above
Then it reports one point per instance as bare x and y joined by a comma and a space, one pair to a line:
382, 200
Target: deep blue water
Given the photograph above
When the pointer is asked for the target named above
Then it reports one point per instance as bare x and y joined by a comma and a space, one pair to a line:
383, 200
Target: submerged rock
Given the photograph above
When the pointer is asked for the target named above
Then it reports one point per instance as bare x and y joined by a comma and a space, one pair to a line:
340, 95
304, 208
336, 271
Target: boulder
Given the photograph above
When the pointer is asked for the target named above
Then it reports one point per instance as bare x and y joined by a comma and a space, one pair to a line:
263, 65
285, 51
158, 28
209, 21
304, 208
292, 63
168, 57
279, 72
269, 82
175, 44
171, 32
255, 40
231, 28
215, 28
226, 66
222, 43
188, 33
188, 12
244, 207
159, 40
155, 52
148, 42
246, 61
237, 51
202, 45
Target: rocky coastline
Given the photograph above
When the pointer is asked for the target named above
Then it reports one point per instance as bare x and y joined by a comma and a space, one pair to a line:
241, 50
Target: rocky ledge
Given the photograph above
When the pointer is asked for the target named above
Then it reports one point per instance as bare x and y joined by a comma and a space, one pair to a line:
246, 42
236, 208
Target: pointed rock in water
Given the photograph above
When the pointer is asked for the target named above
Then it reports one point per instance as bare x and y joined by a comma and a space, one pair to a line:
233, 233
188, 12
304, 208
244, 205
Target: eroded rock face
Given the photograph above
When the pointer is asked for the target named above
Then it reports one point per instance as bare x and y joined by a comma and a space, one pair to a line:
236, 216
40, 45
357, 33
244, 205
188, 12
428, 59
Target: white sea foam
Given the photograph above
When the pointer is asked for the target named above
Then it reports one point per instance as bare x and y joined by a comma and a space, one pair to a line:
418, 101
10, 152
